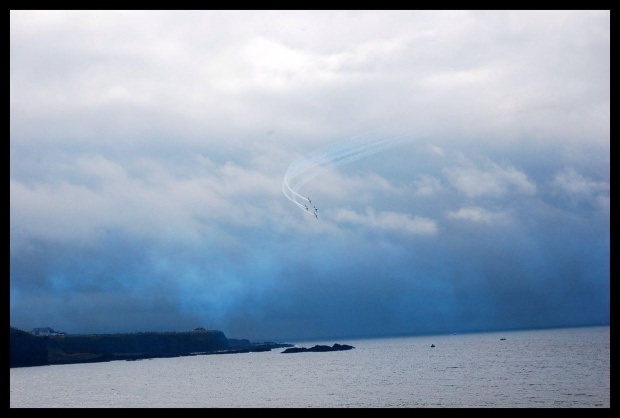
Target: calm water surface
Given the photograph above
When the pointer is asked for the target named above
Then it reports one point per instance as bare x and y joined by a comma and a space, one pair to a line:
543, 368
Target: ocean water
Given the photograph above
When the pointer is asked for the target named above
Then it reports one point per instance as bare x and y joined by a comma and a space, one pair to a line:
563, 368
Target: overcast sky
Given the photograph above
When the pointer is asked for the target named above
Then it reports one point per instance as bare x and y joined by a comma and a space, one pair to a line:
148, 151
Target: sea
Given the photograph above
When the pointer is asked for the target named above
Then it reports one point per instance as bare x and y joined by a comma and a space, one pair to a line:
551, 368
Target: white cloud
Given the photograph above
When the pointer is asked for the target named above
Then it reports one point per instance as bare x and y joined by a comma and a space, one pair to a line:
437, 150
479, 215
60, 212
574, 184
361, 188
427, 185
152, 202
136, 87
315, 72
579, 188
492, 180
395, 222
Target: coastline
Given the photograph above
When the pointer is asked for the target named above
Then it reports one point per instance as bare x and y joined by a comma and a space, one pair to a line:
27, 350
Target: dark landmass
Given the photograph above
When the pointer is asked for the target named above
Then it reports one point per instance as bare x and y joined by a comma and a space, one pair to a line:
26, 349
29, 350
318, 348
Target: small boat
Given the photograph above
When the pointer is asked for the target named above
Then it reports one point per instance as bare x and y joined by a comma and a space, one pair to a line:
432, 345
502, 339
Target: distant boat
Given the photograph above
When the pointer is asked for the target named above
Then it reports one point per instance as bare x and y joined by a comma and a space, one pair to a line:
432, 345
502, 339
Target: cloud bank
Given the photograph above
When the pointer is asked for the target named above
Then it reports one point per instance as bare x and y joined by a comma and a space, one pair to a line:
148, 151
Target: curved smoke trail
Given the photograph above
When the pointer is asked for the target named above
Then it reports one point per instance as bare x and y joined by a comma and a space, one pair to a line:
329, 157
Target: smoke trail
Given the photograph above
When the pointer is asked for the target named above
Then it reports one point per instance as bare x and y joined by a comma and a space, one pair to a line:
329, 157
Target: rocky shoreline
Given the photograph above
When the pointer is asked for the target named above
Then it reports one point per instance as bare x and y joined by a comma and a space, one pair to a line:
318, 349
28, 350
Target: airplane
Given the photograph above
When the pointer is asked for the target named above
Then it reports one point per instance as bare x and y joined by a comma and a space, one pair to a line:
315, 209
310, 201
306, 207
315, 215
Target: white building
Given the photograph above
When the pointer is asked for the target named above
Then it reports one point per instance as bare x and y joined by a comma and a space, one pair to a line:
45, 331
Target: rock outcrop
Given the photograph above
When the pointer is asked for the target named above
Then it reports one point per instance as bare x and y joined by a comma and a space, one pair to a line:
318, 348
